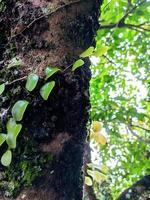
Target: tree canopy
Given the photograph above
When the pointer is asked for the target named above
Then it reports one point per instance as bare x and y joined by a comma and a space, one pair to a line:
120, 96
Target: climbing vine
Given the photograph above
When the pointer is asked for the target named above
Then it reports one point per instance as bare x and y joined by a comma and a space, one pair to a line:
13, 127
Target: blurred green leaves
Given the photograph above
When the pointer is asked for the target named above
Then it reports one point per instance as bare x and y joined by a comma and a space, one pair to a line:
120, 94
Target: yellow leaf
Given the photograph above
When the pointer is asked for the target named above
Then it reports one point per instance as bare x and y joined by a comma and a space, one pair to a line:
141, 122
100, 138
104, 168
96, 126
99, 177
145, 26
88, 181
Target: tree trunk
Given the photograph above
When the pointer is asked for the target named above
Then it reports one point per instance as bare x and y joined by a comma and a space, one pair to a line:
47, 162
88, 190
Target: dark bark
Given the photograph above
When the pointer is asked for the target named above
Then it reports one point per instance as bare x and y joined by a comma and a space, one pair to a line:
139, 190
88, 190
56, 127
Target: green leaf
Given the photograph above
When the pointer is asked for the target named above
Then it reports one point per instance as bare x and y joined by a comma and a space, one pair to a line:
6, 158
77, 64
49, 71
2, 88
46, 89
11, 141
87, 53
101, 51
32, 81
13, 130
19, 109
2, 138
88, 181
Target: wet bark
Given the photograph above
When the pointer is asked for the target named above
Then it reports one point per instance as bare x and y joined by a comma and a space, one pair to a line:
41, 33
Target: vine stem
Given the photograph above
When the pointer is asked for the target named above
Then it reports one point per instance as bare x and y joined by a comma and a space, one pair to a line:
45, 15
137, 136
24, 77
16, 80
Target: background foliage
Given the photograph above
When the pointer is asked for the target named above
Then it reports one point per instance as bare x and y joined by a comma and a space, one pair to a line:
120, 95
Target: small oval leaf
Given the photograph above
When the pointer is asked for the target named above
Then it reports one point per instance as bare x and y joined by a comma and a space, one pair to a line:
2, 88
32, 81
19, 109
13, 130
49, 71
88, 181
100, 138
2, 138
77, 64
6, 158
87, 53
11, 141
96, 126
46, 89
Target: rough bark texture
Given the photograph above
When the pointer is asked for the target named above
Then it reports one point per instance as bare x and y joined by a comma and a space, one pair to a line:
50, 145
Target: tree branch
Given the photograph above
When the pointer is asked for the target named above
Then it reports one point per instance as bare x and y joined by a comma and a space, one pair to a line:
109, 60
129, 11
16, 80
138, 26
121, 23
137, 136
147, 130
137, 189
129, 3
